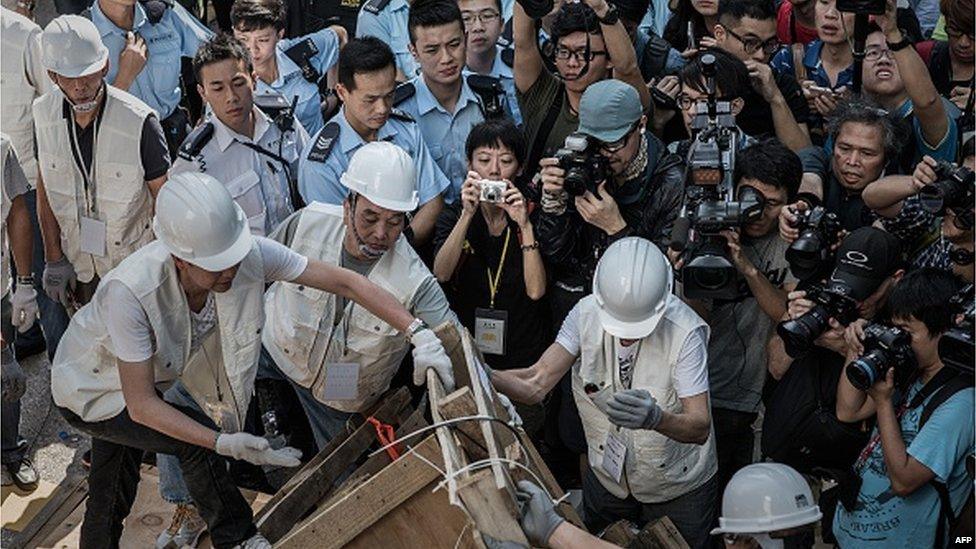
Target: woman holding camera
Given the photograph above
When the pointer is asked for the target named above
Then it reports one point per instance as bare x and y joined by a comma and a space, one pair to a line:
487, 255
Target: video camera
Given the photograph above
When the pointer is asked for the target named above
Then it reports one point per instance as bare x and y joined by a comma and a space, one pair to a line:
885, 347
585, 167
956, 345
952, 191
811, 251
711, 204
832, 301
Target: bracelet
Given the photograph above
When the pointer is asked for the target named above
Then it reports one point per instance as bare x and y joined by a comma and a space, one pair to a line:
530, 247
25, 280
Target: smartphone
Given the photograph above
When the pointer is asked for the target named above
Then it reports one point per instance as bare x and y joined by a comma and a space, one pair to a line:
691, 36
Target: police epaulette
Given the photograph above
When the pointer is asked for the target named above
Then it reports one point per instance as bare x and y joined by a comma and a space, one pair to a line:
400, 115
403, 92
375, 6
195, 142
324, 141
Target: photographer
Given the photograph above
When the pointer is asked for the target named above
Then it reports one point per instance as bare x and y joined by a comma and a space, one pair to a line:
924, 429
491, 231
590, 42
737, 366
950, 62
929, 236
862, 138
640, 196
800, 428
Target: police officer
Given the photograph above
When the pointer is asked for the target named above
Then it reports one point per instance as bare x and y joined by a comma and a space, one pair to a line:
485, 56
366, 87
102, 158
293, 67
255, 156
309, 333
440, 99
145, 42
387, 20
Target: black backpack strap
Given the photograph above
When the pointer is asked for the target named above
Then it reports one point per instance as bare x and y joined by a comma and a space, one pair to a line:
324, 142
301, 54
195, 142
375, 6
403, 92
542, 134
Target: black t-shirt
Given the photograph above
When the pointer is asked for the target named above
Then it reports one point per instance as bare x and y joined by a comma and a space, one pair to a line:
153, 150
756, 118
528, 321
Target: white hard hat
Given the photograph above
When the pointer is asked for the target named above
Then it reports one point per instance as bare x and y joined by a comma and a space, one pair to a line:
632, 286
71, 46
766, 497
384, 174
198, 222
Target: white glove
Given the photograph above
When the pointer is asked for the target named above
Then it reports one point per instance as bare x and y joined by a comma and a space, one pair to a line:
510, 408
428, 352
256, 450
23, 307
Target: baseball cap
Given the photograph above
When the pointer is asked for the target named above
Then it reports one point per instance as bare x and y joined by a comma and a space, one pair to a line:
865, 259
608, 110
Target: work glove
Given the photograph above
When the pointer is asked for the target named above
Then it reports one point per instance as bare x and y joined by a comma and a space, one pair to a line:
23, 307
510, 408
256, 450
634, 409
59, 280
13, 381
428, 352
538, 515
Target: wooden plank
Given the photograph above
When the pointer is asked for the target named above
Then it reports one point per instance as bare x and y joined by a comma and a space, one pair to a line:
480, 390
619, 533
659, 534
493, 510
347, 517
460, 403
318, 481
70, 494
450, 454
451, 340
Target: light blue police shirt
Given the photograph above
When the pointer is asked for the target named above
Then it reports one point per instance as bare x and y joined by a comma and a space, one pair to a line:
390, 26
177, 34
503, 73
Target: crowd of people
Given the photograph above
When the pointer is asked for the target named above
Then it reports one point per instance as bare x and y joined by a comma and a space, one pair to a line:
698, 250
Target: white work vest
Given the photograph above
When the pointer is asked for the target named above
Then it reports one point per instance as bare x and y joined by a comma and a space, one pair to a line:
122, 199
5, 204
84, 374
299, 333
17, 33
656, 468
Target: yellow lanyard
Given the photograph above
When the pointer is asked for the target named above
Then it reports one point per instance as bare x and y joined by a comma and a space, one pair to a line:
493, 284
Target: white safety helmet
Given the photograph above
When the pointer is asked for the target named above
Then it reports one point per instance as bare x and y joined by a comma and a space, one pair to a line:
198, 222
385, 175
632, 286
766, 497
72, 47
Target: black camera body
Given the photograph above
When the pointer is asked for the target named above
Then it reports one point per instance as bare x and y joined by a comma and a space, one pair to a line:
953, 190
869, 7
811, 251
957, 345
585, 167
832, 301
885, 347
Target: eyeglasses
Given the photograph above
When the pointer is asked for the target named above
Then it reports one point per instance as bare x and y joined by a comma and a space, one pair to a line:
615, 146
685, 101
584, 55
752, 45
875, 54
484, 17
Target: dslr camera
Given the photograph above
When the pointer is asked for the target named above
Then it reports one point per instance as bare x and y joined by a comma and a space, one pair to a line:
952, 191
956, 345
885, 347
811, 251
711, 203
492, 191
585, 167
832, 301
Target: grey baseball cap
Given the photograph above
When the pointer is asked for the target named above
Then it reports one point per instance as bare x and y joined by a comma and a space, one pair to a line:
608, 109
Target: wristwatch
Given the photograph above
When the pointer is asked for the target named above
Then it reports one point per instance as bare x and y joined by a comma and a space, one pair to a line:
25, 280
900, 45
416, 326
611, 17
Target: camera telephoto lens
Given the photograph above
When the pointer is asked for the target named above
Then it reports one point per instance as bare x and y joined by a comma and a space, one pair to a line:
798, 334
575, 182
931, 198
806, 255
868, 369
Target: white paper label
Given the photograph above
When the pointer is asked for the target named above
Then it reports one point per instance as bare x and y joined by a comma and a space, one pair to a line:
341, 381
92, 236
489, 335
614, 454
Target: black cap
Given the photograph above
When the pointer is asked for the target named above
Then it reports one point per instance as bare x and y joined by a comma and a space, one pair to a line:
865, 259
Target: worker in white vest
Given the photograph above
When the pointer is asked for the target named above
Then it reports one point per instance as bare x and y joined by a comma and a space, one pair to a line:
316, 338
22, 80
192, 299
638, 359
102, 158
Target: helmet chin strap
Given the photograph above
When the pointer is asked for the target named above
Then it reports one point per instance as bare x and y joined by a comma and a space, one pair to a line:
87, 106
767, 542
364, 248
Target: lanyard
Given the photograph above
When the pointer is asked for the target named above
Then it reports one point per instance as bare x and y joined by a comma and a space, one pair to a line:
89, 172
493, 284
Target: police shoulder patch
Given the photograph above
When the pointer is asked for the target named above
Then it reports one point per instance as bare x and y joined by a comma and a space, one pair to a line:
195, 142
375, 6
324, 142
403, 92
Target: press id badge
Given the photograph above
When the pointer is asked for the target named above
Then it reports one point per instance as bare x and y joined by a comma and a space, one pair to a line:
92, 236
614, 454
489, 330
341, 381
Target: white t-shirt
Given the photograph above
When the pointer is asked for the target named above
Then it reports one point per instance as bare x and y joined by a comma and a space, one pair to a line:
128, 325
690, 374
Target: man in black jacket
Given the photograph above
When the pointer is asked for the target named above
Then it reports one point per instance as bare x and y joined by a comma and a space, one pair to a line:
639, 196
